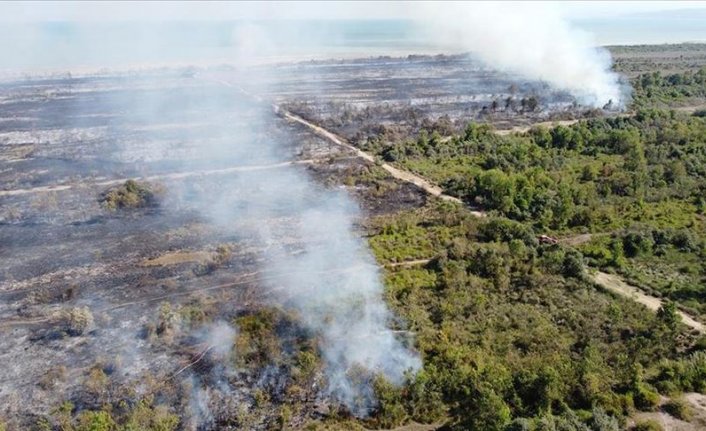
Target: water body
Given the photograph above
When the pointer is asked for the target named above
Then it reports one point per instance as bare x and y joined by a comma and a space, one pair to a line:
56, 45
641, 30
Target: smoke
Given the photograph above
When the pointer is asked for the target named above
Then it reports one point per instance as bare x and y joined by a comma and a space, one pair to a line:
532, 40
317, 265
339, 297
220, 337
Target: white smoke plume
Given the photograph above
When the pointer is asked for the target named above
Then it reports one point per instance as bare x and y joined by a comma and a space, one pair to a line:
345, 307
532, 40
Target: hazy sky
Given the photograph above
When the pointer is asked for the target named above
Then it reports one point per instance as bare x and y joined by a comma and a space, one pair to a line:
119, 11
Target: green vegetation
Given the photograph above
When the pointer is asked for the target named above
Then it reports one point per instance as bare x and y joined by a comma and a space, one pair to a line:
648, 425
655, 89
143, 415
680, 409
637, 183
131, 194
512, 334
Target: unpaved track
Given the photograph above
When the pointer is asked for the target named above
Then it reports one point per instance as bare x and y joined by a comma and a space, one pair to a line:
610, 282
169, 176
399, 174
614, 284
523, 129
242, 280
407, 263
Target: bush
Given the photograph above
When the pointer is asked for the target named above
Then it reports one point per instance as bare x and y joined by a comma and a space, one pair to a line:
684, 240
390, 411
648, 425
645, 398
77, 320
604, 422
129, 195
637, 244
95, 421
504, 230
679, 408
573, 265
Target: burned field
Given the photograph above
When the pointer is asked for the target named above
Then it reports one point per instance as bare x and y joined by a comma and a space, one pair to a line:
399, 96
105, 301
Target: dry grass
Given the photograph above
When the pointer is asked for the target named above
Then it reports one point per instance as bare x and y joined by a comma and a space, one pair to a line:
178, 257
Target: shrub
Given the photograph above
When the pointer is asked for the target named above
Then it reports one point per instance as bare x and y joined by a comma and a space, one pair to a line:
131, 194
95, 421
645, 398
505, 230
648, 425
637, 243
684, 240
679, 408
390, 410
604, 422
77, 320
573, 265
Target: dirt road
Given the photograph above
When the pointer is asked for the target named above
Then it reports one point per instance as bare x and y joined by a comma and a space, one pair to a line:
614, 284
523, 129
399, 174
610, 282
169, 176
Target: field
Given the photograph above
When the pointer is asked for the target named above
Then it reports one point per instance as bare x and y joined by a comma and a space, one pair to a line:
143, 216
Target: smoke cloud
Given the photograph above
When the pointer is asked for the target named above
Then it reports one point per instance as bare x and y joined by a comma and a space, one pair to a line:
532, 40
316, 264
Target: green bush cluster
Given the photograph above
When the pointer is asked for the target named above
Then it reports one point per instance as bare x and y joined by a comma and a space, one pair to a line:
131, 194
512, 338
143, 415
654, 88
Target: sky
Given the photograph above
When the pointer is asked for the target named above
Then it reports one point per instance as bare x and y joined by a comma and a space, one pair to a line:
129, 11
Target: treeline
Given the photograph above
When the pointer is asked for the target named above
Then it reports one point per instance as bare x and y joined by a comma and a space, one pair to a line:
562, 177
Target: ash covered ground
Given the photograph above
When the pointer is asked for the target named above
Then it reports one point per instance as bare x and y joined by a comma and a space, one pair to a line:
360, 98
100, 305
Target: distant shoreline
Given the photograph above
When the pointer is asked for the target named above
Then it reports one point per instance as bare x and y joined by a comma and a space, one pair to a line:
147, 67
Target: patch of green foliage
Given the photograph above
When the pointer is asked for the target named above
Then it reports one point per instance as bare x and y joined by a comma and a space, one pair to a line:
655, 89
679, 408
143, 415
648, 425
639, 182
132, 194
513, 336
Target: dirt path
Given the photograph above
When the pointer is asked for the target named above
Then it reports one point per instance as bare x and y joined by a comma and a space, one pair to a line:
170, 176
407, 263
242, 280
523, 129
581, 238
399, 174
614, 284
690, 109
